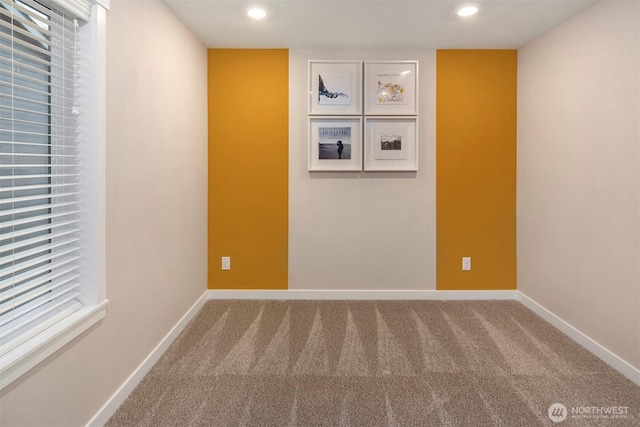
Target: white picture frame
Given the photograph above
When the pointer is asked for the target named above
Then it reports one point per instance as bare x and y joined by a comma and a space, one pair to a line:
335, 87
391, 88
335, 144
391, 143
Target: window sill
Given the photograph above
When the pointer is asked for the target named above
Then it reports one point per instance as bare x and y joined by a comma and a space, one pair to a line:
28, 355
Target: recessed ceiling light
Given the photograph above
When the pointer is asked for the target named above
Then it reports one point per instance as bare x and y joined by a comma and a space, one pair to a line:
467, 11
256, 13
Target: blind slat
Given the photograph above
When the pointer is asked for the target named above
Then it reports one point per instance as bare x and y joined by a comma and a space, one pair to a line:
38, 197
17, 338
39, 270
16, 56
21, 305
45, 156
29, 79
8, 99
42, 114
38, 176
17, 222
35, 165
4, 98
15, 132
69, 141
53, 206
23, 61
24, 267
61, 274
57, 19
34, 38
35, 240
32, 230
18, 261
35, 187
22, 20
25, 320
36, 91
7, 144
59, 165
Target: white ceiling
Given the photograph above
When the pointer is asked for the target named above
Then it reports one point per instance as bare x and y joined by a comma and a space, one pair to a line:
377, 24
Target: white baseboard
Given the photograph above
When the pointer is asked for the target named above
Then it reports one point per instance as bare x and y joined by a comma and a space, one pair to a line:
592, 346
114, 402
321, 294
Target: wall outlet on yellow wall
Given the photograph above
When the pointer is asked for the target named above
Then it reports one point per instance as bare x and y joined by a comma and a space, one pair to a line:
226, 263
466, 263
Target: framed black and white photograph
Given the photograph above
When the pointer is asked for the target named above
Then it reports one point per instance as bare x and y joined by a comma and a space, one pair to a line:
391, 144
335, 87
391, 87
335, 144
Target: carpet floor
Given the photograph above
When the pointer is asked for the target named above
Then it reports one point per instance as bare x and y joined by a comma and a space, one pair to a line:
377, 363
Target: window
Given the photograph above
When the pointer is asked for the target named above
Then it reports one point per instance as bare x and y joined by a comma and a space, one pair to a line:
51, 184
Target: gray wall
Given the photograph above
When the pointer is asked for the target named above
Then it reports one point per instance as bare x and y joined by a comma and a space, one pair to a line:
578, 174
156, 216
355, 231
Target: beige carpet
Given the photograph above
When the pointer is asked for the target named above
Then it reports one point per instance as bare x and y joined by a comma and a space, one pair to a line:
375, 363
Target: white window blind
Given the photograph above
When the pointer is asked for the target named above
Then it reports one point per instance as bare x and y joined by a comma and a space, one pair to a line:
40, 191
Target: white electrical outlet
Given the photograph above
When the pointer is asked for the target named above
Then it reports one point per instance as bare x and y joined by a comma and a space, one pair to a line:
226, 263
466, 263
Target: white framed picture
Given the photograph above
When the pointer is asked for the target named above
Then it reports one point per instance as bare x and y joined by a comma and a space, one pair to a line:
391, 88
335, 87
391, 144
335, 143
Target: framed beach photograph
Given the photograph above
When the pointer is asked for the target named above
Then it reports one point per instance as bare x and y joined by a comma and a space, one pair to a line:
391, 88
391, 144
335, 143
335, 87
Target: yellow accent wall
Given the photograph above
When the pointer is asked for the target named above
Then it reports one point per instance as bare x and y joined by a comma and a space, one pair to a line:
248, 93
476, 169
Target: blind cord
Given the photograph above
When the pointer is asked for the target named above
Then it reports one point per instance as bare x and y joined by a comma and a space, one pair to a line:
76, 108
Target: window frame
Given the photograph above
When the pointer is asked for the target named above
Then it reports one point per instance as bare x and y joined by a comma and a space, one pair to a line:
92, 40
